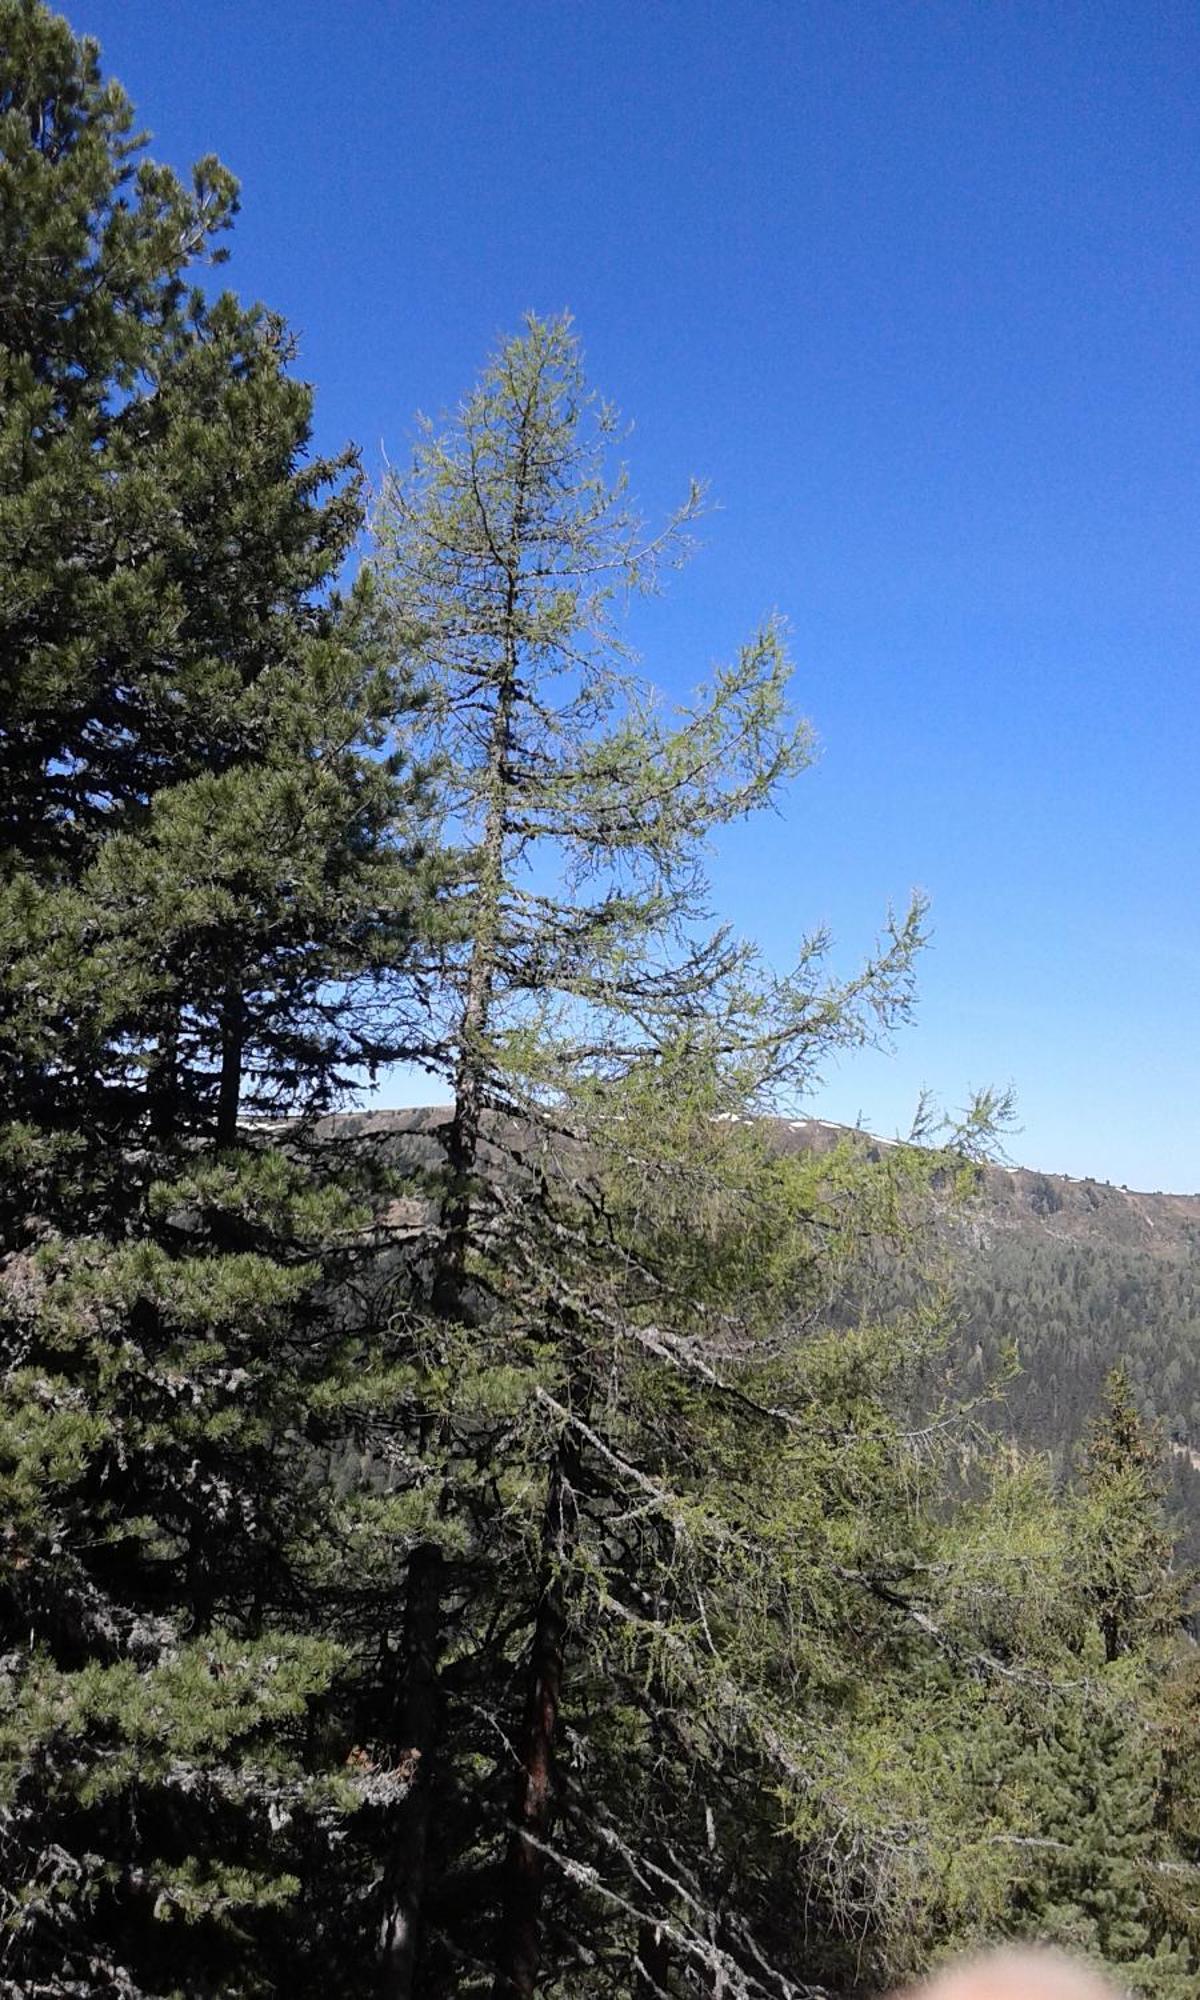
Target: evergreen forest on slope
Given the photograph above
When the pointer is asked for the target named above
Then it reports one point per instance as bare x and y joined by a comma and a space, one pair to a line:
590, 1548
1070, 1303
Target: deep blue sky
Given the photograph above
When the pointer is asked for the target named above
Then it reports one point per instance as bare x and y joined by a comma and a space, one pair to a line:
913, 285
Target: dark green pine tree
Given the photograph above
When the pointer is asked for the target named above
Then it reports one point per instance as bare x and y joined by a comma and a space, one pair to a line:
95, 243
1127, 1553
1104, 1869
208, 887
1098, 1874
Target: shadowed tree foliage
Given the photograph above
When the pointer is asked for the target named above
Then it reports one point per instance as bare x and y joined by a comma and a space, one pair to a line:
95, 244
210, 875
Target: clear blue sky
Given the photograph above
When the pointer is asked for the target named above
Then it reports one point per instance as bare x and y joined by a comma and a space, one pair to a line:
914, 286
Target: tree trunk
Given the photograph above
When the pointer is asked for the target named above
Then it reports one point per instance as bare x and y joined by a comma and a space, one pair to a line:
518, 1956
407, 1868
652, 1966
417, 1740
462, 1147
162, 1083
233, 1040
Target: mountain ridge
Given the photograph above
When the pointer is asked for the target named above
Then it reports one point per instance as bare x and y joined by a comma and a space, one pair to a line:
1068, 1205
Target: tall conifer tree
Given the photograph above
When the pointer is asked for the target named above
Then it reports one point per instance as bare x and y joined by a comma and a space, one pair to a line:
621, 1266
210, 875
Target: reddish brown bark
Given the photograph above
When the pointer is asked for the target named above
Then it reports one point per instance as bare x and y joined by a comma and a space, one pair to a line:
519, 1950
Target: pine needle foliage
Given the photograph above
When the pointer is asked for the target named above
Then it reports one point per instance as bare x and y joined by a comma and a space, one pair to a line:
211, 873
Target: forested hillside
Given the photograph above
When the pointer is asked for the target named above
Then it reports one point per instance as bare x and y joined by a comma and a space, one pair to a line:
1079, 1277
1053, 1282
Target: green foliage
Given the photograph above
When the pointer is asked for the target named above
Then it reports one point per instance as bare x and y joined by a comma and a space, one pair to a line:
531, 1558
703, 1640
1076, 1306
211, 871
1080, 1775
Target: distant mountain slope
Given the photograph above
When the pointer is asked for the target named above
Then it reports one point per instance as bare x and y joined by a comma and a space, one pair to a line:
1081, 1276
1077, 1274
1021, 1197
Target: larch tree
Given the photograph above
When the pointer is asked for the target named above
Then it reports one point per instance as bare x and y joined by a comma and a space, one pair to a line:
621, 1316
